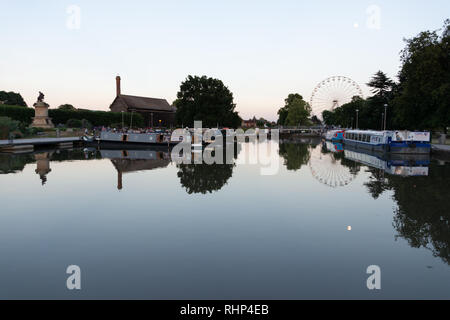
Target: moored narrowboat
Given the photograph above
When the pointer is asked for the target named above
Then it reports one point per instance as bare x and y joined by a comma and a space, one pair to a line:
138, 138
405, 142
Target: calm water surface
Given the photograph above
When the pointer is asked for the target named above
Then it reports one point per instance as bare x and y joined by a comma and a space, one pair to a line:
141, 226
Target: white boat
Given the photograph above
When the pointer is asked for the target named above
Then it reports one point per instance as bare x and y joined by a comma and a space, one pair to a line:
405, 142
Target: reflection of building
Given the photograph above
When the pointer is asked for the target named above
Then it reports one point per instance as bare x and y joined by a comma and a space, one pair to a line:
156, 112
43, 166
249, 123
127, 161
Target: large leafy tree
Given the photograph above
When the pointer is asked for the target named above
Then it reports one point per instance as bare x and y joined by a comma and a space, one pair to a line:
207, 100
295, 112
12, 98
423, 101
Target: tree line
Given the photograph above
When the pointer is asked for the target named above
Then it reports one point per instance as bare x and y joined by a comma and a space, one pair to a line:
419, 100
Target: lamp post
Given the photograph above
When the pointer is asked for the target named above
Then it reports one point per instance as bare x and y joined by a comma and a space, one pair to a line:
131, 122
357, 118
382, 120
385, 115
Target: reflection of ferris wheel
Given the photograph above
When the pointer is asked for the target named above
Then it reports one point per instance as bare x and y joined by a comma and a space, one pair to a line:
332, 93
329, 171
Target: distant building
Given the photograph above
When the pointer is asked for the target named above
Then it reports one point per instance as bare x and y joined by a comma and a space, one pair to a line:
249, 123
156, 112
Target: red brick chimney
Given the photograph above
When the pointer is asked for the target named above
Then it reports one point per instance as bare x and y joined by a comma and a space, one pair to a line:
118, 86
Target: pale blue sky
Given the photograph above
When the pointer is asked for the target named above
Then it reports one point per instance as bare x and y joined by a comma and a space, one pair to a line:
262, 50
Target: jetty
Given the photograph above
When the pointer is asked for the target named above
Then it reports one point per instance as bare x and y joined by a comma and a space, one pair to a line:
28, 145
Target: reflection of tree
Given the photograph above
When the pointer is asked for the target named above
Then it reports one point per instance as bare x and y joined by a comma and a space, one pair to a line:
14, 163
422, 216
377, 182
353, 166
295, 155
204, 178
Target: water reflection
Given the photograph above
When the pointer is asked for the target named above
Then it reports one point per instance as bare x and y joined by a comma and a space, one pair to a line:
295, 155
422, 215
419, 186
43, 165
328, 166
127, 161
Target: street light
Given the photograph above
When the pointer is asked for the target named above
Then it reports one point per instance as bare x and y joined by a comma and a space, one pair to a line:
131, 122
357, 118
385, 115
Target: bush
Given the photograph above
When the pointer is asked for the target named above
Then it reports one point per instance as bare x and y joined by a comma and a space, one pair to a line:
74, 123
86, 124
17, 113
7, 125
95, 118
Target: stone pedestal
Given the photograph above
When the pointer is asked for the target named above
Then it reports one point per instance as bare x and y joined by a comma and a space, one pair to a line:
41, 119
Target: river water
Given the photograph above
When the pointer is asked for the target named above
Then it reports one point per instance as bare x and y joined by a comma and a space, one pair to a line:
139, 225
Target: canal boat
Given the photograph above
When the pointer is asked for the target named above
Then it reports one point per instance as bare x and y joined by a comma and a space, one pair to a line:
404, 142
138, 138
335, 135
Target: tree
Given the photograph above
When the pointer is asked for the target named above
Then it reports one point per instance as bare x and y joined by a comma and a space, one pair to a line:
67, 107
315, 120
295, 112
207, 100
12, 98
381, 85
282, 116
423, 100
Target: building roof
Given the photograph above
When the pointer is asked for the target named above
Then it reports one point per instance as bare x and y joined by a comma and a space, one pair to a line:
144, 103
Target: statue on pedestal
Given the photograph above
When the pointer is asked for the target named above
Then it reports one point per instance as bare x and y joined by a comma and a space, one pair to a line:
41, 118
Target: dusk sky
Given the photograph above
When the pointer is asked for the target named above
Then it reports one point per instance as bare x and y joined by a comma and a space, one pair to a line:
261, 50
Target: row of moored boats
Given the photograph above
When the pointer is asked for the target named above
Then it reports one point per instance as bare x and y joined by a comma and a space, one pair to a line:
405, 142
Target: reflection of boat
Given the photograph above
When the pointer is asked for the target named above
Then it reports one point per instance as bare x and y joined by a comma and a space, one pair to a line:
395, 164
334, 146
404, 142
335, 135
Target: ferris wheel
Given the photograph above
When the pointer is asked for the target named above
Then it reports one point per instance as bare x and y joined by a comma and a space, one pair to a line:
332, 93
328, 170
